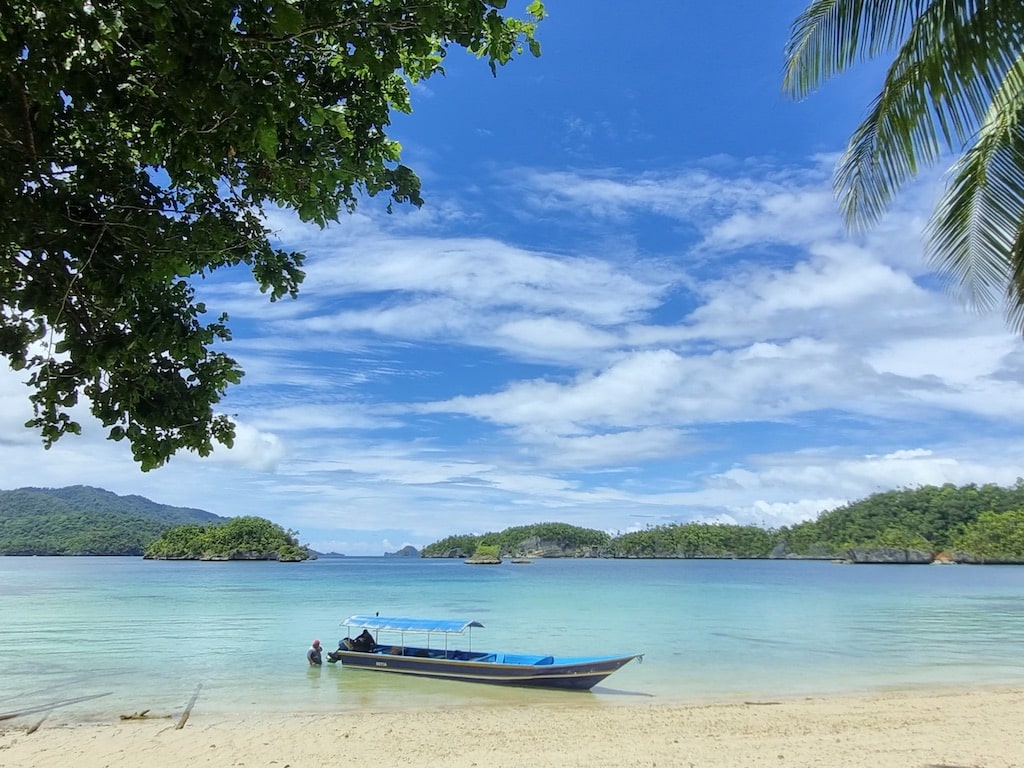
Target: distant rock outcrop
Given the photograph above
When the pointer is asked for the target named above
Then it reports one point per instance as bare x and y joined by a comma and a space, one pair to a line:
455, 553
248, 555
889, 555
969, 559
535, 547
406, 551
483, 560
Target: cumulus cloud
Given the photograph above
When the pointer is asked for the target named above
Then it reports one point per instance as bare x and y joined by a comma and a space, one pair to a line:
765, 367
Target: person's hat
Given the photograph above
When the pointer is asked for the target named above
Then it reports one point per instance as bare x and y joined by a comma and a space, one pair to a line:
316, 643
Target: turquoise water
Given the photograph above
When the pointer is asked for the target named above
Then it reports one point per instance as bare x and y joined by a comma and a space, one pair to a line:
152, 634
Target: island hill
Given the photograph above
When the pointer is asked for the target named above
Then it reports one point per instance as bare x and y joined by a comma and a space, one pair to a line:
82, 520
966, 524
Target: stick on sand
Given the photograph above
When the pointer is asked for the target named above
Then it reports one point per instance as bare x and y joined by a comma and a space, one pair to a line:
188, 709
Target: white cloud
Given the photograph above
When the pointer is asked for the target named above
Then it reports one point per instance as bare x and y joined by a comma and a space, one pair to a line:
428, 384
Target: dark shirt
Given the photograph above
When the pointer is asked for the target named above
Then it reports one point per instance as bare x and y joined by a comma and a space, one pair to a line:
314, 657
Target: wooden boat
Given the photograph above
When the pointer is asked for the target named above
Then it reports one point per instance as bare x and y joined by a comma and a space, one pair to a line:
434, 656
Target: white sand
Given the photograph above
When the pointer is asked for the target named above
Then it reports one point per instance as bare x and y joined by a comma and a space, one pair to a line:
961, 729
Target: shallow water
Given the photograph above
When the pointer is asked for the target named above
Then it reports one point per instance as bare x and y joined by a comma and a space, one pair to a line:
151, 634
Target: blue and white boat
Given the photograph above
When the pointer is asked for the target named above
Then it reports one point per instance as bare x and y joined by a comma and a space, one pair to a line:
433, 655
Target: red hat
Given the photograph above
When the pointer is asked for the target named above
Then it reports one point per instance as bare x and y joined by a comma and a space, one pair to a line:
316, 643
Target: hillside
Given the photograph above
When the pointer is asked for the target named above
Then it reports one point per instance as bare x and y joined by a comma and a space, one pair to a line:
82, 520
969, 524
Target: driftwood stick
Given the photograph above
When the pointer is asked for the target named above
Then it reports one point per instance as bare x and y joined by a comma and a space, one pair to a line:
136, 715
188, 709
51, 705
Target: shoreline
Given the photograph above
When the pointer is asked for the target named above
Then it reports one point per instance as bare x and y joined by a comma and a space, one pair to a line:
957, 727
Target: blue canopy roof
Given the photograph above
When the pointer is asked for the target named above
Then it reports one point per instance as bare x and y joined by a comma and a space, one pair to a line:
403, 624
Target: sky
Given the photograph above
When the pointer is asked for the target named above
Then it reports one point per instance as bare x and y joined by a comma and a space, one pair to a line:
629, 300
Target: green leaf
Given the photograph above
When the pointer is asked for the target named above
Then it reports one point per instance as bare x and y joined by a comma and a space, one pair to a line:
266, 138
286, 19
179, 154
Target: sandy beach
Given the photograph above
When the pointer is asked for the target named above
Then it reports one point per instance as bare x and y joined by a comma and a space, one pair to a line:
951, 728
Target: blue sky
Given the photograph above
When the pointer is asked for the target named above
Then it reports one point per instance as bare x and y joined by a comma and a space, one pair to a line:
629, 300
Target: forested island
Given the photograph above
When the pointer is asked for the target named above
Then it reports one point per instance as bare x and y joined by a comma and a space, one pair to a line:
241, 538
966, 524
82, 520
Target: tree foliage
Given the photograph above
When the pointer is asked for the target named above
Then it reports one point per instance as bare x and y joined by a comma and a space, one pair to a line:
487, 552
928, 518
510, 541
241, 538
976, 522
994, 537
695, 540
450, 546
955, 84
140, 142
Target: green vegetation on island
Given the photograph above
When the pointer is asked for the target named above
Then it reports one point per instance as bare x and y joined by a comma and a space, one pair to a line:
521, 540
972, 523
695, 540
486, 554
977, 524
81, 520
931, 518
994, 537
241, 538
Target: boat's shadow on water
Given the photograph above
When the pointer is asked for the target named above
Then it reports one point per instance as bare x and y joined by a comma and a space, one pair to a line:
600, 691
361, 689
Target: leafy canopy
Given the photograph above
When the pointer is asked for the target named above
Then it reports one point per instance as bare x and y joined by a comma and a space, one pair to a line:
238, 538
140, 141
955, 84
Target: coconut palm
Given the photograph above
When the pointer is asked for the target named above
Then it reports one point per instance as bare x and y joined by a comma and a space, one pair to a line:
955, 87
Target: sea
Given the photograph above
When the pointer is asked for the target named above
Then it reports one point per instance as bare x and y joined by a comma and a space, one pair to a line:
121, 636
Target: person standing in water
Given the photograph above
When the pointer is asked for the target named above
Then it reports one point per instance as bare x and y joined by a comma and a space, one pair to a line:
313, 655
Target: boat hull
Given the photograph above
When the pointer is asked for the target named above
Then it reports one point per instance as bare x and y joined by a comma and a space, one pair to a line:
579, 674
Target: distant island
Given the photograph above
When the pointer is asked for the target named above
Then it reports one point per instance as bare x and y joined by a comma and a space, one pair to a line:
82, 520
240, 538
406, 551
945, 524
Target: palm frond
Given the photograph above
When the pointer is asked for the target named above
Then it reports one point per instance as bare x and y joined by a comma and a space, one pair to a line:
975, 235
936, 92
832, 35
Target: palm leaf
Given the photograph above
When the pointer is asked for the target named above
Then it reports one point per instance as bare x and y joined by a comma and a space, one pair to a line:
938, 88
832, 35
956, 84
975, 235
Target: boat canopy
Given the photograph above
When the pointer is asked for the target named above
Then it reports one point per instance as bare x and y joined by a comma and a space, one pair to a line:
403, 624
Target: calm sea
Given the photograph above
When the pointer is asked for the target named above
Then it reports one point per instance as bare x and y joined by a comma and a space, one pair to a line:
152, 635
